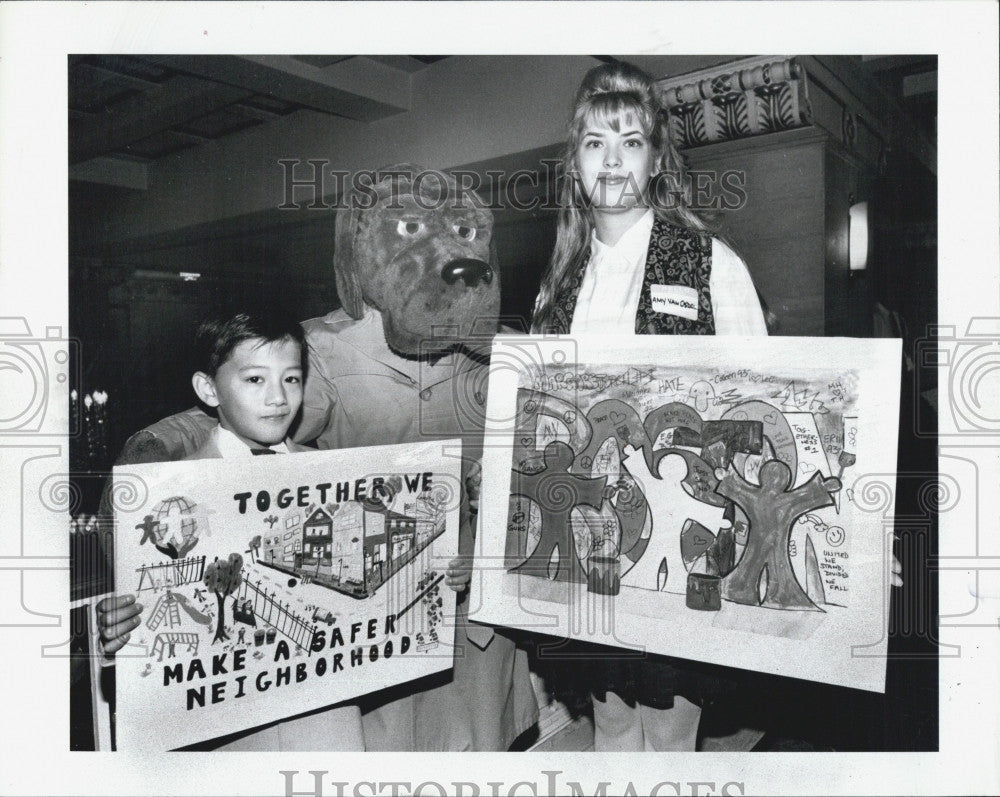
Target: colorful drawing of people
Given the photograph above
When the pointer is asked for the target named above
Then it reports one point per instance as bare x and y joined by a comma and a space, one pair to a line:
557, 492
147, 527
772, 509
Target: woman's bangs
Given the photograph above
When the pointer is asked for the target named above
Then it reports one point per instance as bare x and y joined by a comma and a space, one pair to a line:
618, 112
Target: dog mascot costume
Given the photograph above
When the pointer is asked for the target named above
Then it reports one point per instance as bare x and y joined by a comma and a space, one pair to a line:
397, 364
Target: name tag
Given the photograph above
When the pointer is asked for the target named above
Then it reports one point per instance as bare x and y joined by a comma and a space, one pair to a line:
678, 300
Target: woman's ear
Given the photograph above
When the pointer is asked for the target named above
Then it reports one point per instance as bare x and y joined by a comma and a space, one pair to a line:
204, 388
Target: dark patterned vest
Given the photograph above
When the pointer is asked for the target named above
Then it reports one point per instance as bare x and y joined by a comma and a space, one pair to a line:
676, 256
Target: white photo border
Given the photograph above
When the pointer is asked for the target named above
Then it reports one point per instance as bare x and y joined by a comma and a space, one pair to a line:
35, 39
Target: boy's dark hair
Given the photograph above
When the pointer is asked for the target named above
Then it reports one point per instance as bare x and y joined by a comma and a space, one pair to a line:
217, 337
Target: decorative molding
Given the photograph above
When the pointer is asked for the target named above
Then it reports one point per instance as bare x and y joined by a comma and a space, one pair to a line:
737, 100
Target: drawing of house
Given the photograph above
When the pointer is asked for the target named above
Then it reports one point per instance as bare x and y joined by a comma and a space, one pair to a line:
270, 548
317, 535
353, 550
273, 549
366, 539
279, 546
347, 554
402, 532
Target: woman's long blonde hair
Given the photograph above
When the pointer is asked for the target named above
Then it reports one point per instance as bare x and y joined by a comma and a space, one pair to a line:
609, 93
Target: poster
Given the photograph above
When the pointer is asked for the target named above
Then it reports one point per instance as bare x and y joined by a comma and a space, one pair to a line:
277, 585
707, 498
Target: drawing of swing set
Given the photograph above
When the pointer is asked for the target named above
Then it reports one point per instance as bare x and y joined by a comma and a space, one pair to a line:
173, 573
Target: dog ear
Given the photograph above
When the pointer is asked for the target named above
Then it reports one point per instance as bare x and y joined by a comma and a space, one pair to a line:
345, 274
494, 258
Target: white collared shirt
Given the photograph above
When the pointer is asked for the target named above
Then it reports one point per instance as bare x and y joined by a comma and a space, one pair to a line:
231, 447
609, 293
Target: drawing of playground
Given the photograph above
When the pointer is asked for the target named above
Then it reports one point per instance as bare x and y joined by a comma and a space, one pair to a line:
183, 591
281, 585
714, 486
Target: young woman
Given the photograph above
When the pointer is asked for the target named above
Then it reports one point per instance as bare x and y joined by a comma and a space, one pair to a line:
632, 257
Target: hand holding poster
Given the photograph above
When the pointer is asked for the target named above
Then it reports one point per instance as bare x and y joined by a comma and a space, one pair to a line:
693, 496
277, 585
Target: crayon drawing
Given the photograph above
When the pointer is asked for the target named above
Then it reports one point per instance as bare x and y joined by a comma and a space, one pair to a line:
707, 493
281, 585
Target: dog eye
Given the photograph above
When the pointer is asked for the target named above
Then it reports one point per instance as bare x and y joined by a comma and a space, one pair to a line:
408, 228
468, 233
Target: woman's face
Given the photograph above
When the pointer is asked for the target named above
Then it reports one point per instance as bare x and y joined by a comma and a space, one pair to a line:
615, 162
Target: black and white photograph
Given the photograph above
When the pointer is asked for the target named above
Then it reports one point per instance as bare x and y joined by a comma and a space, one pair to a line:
419, 247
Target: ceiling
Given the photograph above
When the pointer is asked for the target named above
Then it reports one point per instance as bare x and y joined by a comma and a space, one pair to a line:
142, 108
911, 80
128, 111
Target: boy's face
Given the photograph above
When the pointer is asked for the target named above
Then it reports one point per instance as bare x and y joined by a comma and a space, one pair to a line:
258, 390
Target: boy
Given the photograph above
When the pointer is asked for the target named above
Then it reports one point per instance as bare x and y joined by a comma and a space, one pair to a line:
252, 376
253, 379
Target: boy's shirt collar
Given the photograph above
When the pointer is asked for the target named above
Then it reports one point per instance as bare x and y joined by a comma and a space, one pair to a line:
231, 447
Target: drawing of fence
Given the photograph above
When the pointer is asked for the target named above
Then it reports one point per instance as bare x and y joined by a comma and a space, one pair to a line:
171, 639
276, 614
171, 574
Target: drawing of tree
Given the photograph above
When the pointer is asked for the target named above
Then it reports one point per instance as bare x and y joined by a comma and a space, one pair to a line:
148, 529
254, 547
223, 577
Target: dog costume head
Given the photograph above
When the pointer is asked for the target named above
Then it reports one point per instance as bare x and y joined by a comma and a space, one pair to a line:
419, 251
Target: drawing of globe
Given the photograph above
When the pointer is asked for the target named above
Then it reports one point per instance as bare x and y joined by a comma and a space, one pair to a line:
178, 526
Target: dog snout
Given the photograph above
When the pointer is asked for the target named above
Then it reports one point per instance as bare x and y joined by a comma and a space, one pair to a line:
469, 269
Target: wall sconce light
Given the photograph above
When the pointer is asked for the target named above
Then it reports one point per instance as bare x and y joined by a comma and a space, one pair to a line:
170, 276
857, 235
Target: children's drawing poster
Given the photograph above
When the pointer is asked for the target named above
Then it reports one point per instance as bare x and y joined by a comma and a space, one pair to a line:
693, 496
272, 586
